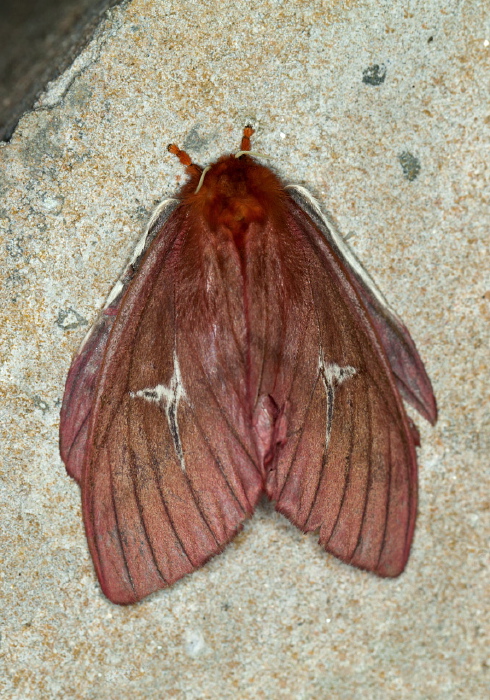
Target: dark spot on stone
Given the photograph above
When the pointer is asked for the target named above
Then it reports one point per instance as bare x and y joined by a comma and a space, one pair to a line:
15, 248
194, 141
70, 319
41, 403
374, 75
410, 165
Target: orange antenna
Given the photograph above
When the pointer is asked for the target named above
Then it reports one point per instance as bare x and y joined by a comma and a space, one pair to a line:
184, 158
247, 133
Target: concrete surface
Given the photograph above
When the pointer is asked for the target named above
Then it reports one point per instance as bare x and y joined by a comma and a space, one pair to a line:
381, 108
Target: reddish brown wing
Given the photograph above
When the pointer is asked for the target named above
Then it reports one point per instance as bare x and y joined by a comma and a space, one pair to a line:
170, 472
78, 398
410, 375
348, 468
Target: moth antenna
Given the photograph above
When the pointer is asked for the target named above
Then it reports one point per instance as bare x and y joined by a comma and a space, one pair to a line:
247, 133
245, 145
203, 174
185, 159
252, 153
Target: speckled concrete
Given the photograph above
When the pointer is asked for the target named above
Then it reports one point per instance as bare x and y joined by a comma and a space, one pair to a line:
381, 108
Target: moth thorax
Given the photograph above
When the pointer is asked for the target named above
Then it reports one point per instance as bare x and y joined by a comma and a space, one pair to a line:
232, 195
235, 214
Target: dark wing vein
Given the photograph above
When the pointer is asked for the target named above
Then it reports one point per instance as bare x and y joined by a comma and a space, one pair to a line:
347, 480
318, 482
367, 489
118, 529
132, 468
80, 428
301, 434
199, 508
154, 466
387, 507
221, 409
216, 459
264, 306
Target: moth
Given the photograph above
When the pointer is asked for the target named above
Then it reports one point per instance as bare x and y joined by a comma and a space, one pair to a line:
244, 351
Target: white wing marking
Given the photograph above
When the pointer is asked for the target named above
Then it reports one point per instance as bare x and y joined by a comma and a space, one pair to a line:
332, 376
169, 397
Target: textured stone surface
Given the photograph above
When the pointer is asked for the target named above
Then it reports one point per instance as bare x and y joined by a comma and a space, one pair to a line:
380, 108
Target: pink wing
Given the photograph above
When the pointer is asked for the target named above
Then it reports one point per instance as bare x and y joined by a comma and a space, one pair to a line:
410, 375
348, 466
171, 469
76, 409
81, 382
